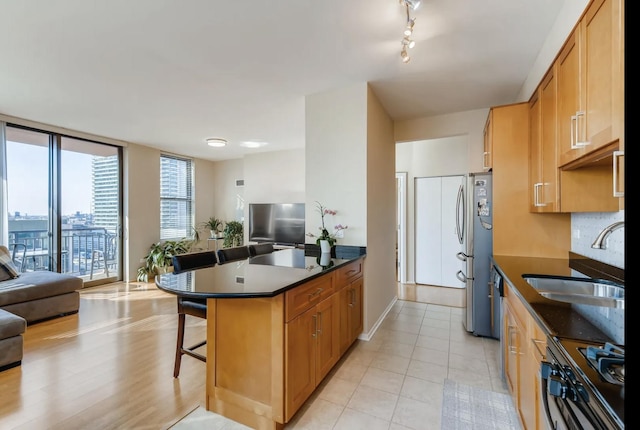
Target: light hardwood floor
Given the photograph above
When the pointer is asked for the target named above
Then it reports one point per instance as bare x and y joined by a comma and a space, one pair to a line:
110, 367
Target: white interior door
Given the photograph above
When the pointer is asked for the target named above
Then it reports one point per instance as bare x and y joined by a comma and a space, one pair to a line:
450, 242
428, 231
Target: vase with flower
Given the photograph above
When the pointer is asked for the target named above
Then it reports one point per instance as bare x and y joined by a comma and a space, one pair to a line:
324, 239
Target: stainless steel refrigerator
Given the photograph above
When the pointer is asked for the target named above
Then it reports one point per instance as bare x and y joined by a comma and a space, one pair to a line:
474, 227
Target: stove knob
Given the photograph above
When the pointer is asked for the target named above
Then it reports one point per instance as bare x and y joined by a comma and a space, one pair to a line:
556, 386
546, 369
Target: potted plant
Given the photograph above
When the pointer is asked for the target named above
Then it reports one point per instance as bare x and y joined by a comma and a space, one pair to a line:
158, 260
326, 240
215, 226
233, 234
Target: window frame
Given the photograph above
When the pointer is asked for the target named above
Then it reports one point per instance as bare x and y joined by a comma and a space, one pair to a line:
181, 194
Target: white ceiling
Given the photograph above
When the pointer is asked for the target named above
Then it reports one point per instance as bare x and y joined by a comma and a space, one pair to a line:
170, 73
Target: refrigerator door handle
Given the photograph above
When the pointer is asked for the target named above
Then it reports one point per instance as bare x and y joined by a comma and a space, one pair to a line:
459, 214
462, 256
461, 276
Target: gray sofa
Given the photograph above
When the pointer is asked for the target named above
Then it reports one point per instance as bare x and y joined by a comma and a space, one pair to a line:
40, 295
31, 297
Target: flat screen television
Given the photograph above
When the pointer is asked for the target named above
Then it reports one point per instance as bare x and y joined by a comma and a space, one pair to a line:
280, 223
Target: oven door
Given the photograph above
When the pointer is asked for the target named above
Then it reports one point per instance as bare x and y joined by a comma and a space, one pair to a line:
554, 418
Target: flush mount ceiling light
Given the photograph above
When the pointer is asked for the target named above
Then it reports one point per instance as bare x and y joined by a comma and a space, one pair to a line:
406, 42
216, 142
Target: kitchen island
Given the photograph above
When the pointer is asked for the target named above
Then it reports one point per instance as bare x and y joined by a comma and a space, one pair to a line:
276, 325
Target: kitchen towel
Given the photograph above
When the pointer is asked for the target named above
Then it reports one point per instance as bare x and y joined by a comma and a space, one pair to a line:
472, 408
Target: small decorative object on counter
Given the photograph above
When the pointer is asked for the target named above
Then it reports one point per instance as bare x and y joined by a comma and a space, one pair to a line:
329, 238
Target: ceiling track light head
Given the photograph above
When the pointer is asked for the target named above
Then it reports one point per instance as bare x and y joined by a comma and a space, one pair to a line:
405, 55
409, 43
413, 4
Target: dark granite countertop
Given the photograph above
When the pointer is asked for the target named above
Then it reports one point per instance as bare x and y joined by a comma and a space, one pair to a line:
261, 276
559, 318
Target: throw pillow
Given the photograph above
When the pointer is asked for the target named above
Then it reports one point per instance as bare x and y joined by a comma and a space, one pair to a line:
6, 263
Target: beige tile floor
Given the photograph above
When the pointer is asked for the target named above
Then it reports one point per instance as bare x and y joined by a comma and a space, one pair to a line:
394, 381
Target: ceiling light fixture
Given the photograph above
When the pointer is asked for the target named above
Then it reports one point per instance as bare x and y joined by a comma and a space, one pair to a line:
409, 5
216, 142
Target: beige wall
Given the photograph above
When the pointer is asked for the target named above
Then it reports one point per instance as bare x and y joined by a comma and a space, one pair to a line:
141, 224
380, 268
350, 167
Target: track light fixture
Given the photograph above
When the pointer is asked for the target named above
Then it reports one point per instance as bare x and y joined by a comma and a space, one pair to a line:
406, 42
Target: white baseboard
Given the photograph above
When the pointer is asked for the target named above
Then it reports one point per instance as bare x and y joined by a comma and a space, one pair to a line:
369, 335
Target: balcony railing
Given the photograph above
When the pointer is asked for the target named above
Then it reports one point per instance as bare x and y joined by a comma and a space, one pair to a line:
81, 250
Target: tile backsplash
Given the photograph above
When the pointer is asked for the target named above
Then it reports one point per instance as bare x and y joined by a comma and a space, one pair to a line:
585, 227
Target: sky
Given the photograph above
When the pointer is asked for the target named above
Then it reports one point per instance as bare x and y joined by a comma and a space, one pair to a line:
27, 179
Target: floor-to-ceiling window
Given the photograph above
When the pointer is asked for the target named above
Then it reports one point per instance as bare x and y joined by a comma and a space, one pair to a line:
63, 197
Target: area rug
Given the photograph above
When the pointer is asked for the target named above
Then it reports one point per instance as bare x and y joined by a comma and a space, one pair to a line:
465, 407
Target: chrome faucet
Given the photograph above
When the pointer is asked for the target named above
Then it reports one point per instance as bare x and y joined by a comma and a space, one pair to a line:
600, 242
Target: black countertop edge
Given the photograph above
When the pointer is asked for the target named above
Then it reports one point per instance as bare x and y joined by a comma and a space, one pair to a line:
338, 251
595, 269
347, 258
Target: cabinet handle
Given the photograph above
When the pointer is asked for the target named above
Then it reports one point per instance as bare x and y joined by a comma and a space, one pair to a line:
316, 294
352, 297
575, 141
352, 271
537, 344
485, 157
616, 156
512, 348
315, 325
319, 327
536, 194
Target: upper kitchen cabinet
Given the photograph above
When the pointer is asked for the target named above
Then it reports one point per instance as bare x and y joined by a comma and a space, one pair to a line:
591, 87
543, 169
487, 159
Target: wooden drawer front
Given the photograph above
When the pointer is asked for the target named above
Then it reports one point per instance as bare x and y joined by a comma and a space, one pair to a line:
348, 273
299, 299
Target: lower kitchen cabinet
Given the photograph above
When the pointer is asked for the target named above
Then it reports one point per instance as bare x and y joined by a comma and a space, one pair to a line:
312, 345
350, 313
524, 350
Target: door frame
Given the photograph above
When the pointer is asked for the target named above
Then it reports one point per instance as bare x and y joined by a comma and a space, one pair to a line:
401, 228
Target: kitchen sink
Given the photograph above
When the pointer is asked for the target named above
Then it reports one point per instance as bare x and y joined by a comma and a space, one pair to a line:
586, 291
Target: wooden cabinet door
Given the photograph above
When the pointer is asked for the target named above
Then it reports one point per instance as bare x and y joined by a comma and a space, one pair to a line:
543, 173
345, 297
487, 155
568, 82
600, 39
510, 353
327, 336
591, 82
527, 385
536, 199
300, 360
548, 135
355, 309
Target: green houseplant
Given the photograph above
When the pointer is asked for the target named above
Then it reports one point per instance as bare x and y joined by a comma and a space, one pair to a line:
233, 234
215, 226
158, 260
